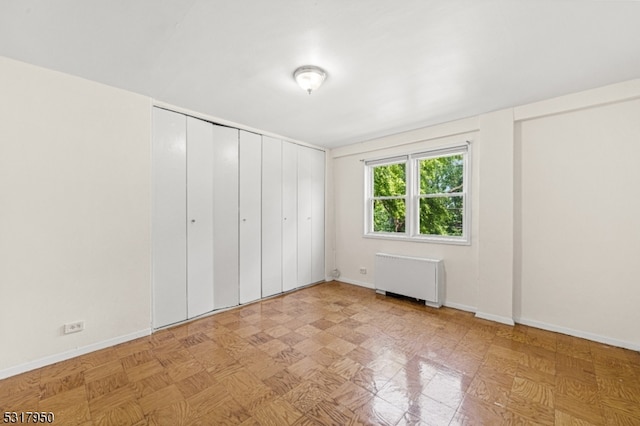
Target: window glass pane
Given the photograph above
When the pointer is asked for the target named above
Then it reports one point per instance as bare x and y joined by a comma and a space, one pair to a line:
441, 216
389, 180
389, 215
441, 175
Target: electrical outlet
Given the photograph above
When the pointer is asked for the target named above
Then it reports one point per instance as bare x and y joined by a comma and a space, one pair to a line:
363, 271
73, 327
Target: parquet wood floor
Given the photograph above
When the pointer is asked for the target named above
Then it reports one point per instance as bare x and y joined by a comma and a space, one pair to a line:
336, 354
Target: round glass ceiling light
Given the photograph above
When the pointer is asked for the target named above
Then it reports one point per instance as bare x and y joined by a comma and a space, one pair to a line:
309, 77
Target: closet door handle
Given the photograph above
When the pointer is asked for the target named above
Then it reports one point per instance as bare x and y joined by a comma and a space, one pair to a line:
193, 221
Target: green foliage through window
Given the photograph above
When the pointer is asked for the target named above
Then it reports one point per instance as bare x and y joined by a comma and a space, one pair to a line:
442, 176
441, 216
389, 214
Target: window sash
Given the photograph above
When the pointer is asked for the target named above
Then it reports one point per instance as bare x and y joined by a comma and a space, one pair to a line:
371, 198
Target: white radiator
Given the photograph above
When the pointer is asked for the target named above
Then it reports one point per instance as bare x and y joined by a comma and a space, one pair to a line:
410, 276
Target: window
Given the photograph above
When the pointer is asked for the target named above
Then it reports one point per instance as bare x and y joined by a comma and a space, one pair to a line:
420, 197
389, 198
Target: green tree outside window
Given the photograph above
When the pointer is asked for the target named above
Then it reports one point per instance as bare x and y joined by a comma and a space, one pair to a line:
441, 195
389, 192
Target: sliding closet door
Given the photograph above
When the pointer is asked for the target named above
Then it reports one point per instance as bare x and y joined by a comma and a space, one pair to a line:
304, 215
225, 217
236, 217
317, 215
289, 216
169, 218
250, 216
199, 217
271, 216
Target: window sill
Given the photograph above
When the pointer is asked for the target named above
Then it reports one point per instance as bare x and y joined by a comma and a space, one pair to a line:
432, 240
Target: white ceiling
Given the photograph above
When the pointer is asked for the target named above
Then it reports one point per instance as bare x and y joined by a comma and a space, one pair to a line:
392, 65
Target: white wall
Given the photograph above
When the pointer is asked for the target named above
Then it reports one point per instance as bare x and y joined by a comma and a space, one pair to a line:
496, 216
580, 222
555, 223
74, 216
329, 218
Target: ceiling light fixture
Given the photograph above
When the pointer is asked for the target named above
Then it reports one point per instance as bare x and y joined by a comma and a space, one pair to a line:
309, 77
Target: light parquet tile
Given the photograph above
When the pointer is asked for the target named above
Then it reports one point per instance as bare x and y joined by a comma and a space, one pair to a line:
306, 395
53, 387
105, 385
127, 413
206, 400
377, 411
70, 407
145, 370
224, 412
161, 398
151, 384
171, 415
277, 412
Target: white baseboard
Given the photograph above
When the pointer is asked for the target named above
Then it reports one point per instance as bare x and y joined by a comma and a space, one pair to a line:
355, 282
460, 307
495, 318
52, 359
577, 333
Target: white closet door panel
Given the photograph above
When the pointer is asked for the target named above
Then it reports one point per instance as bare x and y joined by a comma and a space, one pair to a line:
317, 215
304, 215
271, 216
250, 216
199, 217
225, 217
169, 218
289, 216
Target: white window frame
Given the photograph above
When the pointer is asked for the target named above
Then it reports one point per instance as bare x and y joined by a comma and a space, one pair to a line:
413, 196
369, 197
